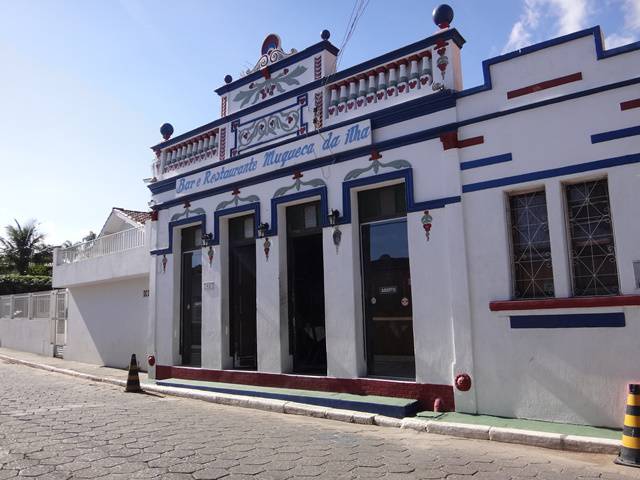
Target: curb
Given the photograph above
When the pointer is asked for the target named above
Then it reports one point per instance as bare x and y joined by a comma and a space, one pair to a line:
555, 441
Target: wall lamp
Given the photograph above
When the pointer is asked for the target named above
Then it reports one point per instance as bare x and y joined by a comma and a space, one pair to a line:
206, 238
262, 229
334, 216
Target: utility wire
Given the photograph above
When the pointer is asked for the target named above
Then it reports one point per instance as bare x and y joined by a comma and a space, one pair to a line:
359, 7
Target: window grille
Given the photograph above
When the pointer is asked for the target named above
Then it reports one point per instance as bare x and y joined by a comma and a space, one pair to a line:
531, 248
593, 257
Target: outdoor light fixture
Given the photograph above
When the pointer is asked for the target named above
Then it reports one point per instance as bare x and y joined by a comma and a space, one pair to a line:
333, 216
151, 203
262, 229
206, 238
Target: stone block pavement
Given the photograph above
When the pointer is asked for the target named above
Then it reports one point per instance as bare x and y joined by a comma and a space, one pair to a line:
54, 426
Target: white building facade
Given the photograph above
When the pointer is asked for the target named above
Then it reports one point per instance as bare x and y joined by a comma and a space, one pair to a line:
383, 228
107, 282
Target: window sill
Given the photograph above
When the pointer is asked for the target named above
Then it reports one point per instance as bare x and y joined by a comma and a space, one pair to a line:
573, 302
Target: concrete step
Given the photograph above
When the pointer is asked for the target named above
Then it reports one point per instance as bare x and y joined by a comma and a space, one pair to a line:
388, 406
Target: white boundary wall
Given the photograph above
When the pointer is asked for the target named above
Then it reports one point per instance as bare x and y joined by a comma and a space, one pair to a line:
27, 322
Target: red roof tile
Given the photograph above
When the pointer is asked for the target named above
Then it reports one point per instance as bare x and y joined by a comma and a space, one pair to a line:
136, 216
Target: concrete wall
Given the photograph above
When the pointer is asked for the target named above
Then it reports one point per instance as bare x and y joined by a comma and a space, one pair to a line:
108, 322
126, 264
576, 375
27, 334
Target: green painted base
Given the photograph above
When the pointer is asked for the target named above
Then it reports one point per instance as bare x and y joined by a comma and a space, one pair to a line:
522, 424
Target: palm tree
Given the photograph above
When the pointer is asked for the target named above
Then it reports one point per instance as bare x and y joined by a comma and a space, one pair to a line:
22, 244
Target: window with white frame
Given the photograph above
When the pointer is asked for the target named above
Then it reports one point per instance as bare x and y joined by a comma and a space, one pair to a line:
593, 256
530, 245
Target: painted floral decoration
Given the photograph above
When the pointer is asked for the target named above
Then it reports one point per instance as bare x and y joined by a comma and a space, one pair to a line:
267, 87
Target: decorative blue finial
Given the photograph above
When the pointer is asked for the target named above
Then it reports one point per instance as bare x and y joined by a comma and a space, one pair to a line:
325, 34
166, 130
228, 79
443, 15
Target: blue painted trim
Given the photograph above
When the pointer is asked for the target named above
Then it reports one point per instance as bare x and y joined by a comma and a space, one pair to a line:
301, 102
600, 54
553, 172
487, 85
381, 118
450, 34
405, 174
314, 192
276, 67
615, 134
324, 400
483, 162
398, 115
250, 207
176, 223
576, 320
242, 113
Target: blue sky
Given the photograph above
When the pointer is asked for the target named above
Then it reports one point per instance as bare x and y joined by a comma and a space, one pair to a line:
86, 84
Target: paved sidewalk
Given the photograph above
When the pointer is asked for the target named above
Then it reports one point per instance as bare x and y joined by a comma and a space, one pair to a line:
84, 368
58, 427
479, 427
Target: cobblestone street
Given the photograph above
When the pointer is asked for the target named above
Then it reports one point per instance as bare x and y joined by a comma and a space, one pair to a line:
57, 427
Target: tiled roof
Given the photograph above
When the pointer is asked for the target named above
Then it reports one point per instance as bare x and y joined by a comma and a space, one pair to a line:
136, 216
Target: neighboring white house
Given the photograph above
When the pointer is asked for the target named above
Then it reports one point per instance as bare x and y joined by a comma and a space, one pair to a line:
108, 283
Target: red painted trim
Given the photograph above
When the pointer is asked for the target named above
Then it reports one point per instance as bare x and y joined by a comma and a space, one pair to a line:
574, 77
628, 105
424, 392
574, 302
469, 142
450, 140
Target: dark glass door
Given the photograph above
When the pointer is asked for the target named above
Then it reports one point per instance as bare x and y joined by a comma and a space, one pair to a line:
306, 289
242, 293
387, 285
191, 297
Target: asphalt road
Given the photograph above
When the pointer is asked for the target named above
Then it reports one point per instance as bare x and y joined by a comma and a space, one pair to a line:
58, 427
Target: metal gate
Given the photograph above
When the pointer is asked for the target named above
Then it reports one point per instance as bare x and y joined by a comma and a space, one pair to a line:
59, 322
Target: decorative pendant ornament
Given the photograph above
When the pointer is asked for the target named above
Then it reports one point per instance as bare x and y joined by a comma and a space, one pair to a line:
210, 255
164, 263
337, 236
267, 247
426, 223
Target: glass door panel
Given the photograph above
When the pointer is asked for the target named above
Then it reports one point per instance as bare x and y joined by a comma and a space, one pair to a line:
191, 325
242, 293
387, 299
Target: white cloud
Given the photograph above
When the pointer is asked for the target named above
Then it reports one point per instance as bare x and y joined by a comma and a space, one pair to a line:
565, 15
614, 40
630, 31
631, 10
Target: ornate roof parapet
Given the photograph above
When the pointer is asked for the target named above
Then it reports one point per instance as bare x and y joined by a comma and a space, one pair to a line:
272, 52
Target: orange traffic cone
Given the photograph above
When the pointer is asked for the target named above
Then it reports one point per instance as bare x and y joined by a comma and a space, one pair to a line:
630, 451
133, 381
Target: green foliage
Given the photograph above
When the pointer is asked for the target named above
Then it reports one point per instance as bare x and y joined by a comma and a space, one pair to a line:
39, 269
24, 244
10, 284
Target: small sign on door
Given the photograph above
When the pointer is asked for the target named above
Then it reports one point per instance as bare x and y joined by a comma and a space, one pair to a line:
388, 290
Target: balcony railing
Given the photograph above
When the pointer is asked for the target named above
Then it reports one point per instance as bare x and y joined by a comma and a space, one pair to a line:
191, 151
102, 246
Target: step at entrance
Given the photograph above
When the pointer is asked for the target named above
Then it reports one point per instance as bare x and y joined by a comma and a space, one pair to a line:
389, 406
